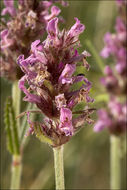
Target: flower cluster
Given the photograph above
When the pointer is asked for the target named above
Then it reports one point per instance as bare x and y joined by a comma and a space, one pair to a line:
116, 46
115, 80
49, 76
26, 23
114, 119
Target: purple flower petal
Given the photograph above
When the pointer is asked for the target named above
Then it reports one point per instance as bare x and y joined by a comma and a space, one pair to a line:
46, 4
99, 126
52, 28
29, 97
76, 29
66, 121
9, 3
104, 121
5, 41
66, 75
60, 101
105, 52
108, 70
9, 8
34, 45
55, 11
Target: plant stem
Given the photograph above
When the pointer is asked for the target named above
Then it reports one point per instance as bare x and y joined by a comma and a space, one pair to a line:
16, 95
16, 172
115, 163
59, 167
16, 163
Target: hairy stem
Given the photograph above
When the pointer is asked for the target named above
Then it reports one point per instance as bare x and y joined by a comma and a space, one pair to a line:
115, 163
59, 167
16, 172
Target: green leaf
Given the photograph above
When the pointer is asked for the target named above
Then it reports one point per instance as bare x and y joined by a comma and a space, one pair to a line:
76, 86
80, 70
40, 134
8, 127
79, 106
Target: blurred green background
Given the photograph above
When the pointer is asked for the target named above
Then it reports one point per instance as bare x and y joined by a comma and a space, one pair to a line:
86, 156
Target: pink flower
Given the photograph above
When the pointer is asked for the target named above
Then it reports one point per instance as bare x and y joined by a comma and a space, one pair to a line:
25, 23
49, 74
115, 82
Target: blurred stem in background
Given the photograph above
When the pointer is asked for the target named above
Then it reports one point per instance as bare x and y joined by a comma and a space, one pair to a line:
16, 172
115, 162
94, 53
59, 167
17, 162
16, 135
102, 21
